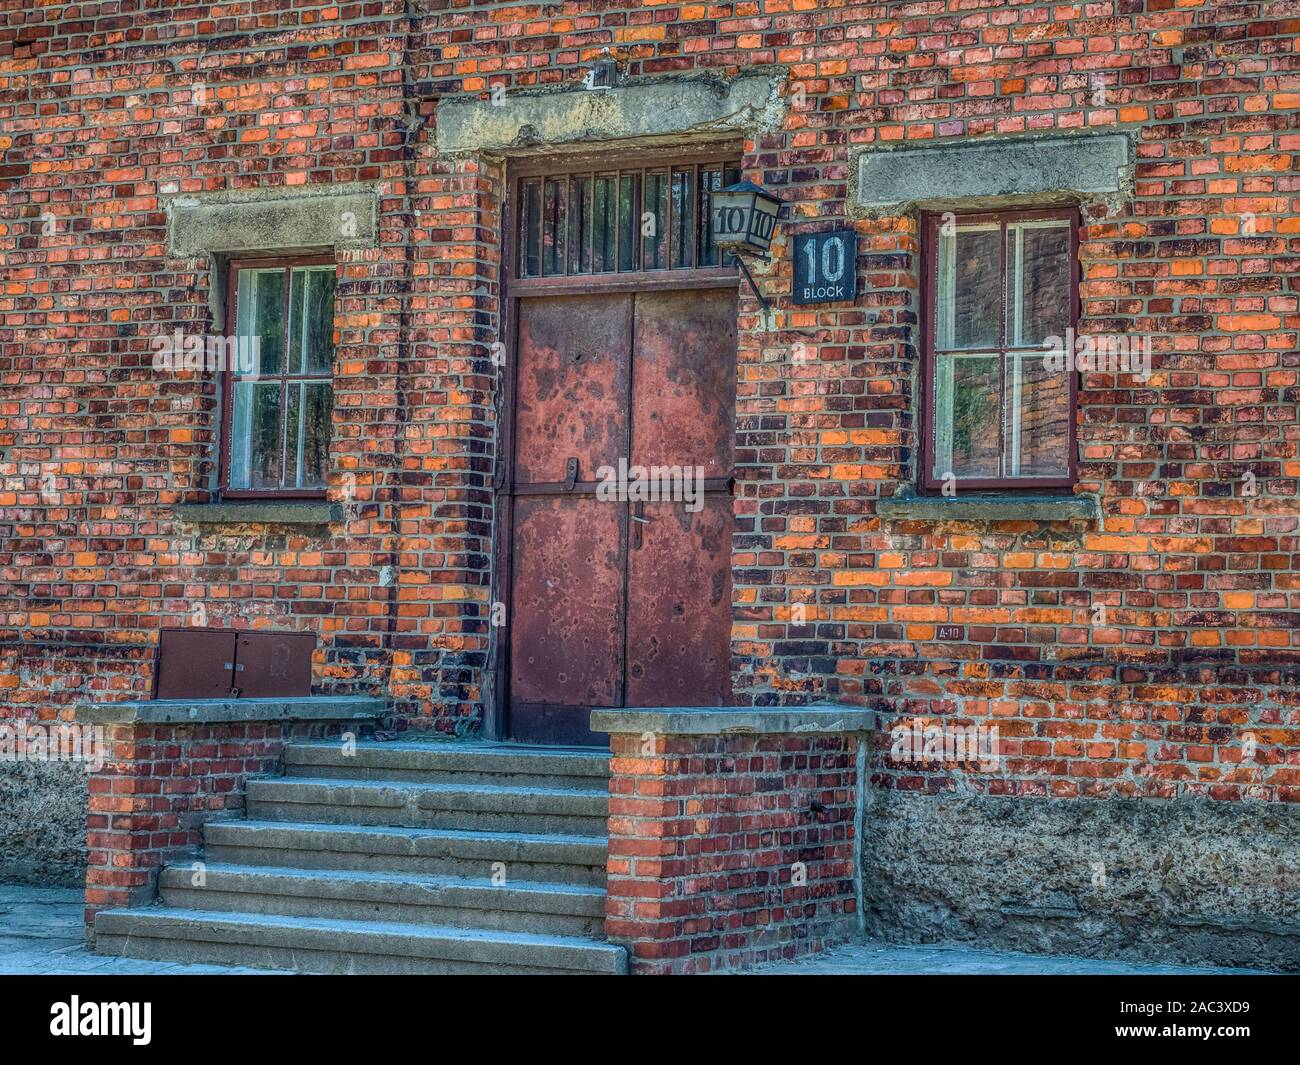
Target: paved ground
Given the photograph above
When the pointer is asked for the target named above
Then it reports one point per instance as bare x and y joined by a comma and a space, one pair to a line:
883, 959
41, 935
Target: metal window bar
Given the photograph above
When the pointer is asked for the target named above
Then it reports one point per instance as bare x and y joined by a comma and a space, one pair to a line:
675, 195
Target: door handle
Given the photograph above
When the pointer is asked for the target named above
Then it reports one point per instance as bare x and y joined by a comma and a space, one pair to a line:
638, 519
570, 474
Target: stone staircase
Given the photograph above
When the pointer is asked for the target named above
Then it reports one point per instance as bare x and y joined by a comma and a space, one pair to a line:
405, 857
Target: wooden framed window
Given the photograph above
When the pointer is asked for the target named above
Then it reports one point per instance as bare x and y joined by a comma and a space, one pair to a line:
277, 405
612, 220
999, 287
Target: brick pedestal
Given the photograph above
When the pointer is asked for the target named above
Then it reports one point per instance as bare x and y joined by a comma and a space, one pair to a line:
733, 833
171, 766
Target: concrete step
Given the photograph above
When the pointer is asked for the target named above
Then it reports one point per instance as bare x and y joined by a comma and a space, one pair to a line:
459, 902
565, 859
336, 947
451, 763
478, 807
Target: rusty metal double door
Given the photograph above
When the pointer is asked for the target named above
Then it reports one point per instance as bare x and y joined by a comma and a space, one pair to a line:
622, 507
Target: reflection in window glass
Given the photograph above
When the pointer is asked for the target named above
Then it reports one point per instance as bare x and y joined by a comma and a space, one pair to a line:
1000, 409
532, 228
280, 413
629, 220
655, 227
311, 309
1040, 272
260, 299
605, 227
580, 231
554, 204
970, 289
683, 219
255, 453
966, 406
1037, 418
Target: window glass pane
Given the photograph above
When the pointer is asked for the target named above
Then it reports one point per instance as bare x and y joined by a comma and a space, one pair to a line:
311, 319
683, 230
966, 417
307, 431
655, 230
710, 181
629, 220
554, 229
1037, 422
604, 224
580, 224
531, 221
1040, 258
969, 297
260, 315
255, 435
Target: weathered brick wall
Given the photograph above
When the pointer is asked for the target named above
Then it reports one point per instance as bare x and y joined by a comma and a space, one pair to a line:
1101, 730
726, 851
107, 110
99, 123
157, 787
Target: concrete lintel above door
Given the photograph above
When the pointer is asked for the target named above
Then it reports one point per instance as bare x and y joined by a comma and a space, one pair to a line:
641, 112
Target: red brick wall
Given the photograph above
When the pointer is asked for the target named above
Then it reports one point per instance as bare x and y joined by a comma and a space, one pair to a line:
726, 851
96, 447
158, 785
98, 118
1101, 730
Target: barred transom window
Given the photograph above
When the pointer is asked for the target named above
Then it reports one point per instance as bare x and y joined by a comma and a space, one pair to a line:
620, 220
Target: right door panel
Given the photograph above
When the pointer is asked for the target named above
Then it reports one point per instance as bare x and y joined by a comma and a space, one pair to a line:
679, 606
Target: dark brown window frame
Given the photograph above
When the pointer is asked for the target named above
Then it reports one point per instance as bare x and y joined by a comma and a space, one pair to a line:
233, 266
931, 222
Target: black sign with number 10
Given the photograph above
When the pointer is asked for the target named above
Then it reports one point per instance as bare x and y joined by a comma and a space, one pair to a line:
826, 266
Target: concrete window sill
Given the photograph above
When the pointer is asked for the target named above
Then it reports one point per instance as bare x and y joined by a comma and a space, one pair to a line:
253, 512
1000, 507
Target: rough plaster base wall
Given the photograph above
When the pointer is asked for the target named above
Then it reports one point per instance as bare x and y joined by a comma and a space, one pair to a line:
1188, 880
43, 823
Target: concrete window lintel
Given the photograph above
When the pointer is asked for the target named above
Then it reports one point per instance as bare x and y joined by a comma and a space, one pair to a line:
640, 111
1010, 170
275, 219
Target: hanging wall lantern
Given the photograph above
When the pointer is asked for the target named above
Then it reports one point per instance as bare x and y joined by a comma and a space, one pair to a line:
744, 217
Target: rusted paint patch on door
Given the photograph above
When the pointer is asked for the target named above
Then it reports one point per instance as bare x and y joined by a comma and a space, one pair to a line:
573, 379
679, 606
684, 379
567, 609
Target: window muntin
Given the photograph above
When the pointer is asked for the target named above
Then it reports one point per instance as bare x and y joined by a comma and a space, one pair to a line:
279, 409
620, 219
1001, 285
